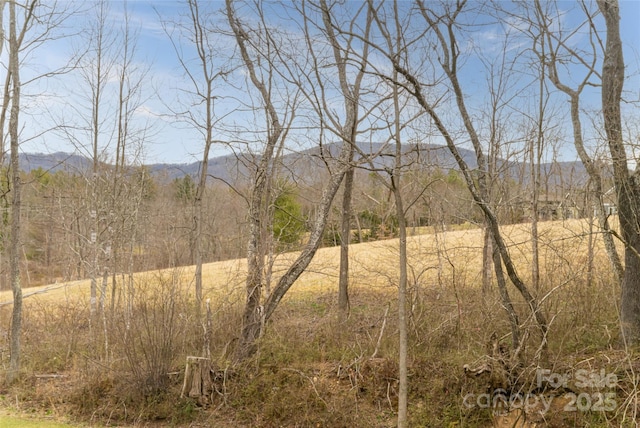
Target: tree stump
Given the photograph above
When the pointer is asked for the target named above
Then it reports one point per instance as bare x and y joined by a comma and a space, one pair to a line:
197, 380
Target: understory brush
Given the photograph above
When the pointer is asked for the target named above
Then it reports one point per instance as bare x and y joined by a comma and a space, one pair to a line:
126, 364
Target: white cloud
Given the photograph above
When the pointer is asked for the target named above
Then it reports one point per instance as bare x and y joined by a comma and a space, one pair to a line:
146, 112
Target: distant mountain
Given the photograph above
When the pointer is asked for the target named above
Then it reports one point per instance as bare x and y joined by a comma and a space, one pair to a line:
54, 162
311, 162
221, 166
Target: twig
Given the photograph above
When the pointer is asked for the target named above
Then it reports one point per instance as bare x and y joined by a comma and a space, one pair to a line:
313, 384
49, 376
384, 323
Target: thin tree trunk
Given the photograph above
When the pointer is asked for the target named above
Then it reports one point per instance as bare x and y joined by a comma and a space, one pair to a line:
345, 240
487, 260
535, 195
253, 315
103, 312
595, 176
256, 319
95, 137
14, 256
197, 244
590, 166
3, 117
403, 387
506, 299
535, 258
349, 132
590, 252
199, 203
475, 184
535, 157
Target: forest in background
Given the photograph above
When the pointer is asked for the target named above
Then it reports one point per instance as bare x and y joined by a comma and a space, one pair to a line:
58, 222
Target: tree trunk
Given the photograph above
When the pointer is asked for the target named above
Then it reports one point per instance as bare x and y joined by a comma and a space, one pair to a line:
345, 240
200, 192
487, 260
476, 185
598, 191
574, 98
535, 193
590, 248
403, 381
96, 119
348, 133
14, 256
627, 187
253, 315
506, 299
403, 388
252, 318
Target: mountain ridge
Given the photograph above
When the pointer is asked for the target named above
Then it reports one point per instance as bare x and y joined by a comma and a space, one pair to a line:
231, 166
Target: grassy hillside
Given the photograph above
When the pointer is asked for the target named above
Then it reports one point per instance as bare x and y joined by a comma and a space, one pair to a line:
127, 366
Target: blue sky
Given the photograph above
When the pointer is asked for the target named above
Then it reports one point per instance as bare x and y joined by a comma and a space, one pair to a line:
165, 139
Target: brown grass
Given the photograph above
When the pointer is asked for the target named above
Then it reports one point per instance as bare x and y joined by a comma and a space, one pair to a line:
312, 370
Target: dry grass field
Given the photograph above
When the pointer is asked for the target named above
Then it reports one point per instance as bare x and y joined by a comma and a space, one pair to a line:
126, 367
374, 264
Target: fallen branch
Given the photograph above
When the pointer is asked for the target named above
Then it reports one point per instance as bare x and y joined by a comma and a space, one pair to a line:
49, 376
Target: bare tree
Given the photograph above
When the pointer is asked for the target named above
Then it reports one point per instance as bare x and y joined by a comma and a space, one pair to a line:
396, 188
14, 250
129, 185
27, 18
626, 181
86, 130
98, 78
553, 48
497, 118
403, 389
394, 45
347, 130
442, 26
202, 75
258, 60
253, 318
102, 126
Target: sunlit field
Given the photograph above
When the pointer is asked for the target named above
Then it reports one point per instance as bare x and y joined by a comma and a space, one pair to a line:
374, 264
101, 369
